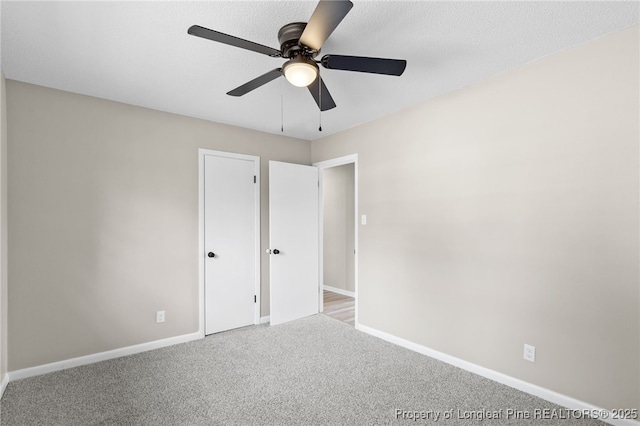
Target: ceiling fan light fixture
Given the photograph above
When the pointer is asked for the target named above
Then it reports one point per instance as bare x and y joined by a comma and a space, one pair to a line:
300, 43
300, 71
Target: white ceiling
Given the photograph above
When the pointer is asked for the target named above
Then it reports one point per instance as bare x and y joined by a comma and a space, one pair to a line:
139, 53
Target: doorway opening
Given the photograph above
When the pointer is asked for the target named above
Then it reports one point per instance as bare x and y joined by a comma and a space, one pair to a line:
338, 239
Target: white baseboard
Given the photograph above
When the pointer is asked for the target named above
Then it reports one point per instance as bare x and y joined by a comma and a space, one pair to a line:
101, 356
3, 384
339, 291
264, 320
546, 394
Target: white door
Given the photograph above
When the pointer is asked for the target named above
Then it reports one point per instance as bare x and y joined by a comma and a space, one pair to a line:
230, 242
293, 241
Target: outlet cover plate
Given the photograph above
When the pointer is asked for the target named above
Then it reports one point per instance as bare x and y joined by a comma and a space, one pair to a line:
529, 353
160, 316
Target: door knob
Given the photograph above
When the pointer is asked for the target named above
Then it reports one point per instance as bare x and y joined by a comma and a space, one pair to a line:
276, 251
211, 254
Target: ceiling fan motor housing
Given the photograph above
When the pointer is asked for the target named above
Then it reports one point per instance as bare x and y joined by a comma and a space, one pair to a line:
289, 37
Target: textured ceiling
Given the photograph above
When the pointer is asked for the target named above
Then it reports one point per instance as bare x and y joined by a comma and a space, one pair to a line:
139, 53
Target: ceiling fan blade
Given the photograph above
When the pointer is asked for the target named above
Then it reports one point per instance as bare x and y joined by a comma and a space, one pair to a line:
256, 82
203, 32
325, 19
327, 100
363, 64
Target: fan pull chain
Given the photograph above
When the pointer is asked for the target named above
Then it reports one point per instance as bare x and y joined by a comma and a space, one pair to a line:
281, 106
320, 109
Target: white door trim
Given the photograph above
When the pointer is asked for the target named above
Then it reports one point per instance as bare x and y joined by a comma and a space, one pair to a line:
321, 165
201, 249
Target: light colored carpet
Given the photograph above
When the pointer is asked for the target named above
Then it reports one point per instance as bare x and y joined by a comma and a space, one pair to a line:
316, 370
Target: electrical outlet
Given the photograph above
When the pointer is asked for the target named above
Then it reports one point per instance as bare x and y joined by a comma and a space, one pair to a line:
529, 353
364, 219
160, 316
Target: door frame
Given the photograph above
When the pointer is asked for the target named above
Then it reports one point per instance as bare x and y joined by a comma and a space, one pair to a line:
201, 249
322, 165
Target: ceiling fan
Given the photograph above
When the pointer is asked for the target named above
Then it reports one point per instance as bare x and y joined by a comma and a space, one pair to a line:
300, 43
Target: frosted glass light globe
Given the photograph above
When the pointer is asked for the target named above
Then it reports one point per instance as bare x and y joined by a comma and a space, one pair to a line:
300, 71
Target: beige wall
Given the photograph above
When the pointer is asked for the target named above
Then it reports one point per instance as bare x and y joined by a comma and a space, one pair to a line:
507, 213
3, 229
103, 208
338, 227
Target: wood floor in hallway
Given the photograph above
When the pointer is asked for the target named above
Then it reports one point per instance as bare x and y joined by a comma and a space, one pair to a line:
340, 307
